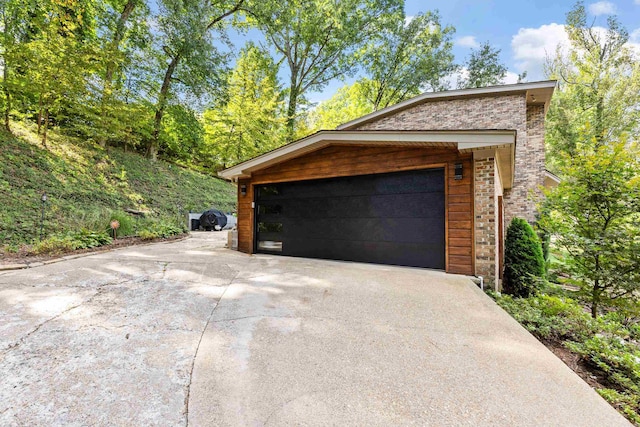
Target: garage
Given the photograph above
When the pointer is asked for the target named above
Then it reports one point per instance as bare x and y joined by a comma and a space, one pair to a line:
387, 218
429, 182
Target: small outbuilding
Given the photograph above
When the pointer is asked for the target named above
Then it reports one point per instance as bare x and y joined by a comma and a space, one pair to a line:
430, 182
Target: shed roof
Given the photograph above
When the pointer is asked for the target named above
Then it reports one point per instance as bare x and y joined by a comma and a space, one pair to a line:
536, 93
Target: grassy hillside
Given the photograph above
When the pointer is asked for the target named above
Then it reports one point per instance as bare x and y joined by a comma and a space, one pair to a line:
86, 185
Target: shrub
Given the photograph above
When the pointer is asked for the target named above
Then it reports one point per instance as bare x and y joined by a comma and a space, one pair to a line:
85, 239
126, 224
523, 260
82, 239
152, 229
53, 245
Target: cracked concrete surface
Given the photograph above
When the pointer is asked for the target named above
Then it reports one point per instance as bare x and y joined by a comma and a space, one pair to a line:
109, 339
189, 333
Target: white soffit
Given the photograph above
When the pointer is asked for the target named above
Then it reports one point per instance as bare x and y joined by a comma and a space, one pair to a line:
465, 141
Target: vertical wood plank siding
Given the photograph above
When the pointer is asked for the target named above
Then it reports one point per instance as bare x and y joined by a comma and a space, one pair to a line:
337, 161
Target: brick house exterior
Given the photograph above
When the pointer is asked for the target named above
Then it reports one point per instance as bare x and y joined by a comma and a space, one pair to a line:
496, 134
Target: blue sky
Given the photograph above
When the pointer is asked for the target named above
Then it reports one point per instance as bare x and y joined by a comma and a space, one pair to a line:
525, 31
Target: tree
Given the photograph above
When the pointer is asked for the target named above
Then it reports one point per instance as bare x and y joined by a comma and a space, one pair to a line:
187, 51
318, 39
12, 14
599, 86
114, 57
250, 121
182, 136
348, 103
595, 215
406, 59
59, 57
483, 68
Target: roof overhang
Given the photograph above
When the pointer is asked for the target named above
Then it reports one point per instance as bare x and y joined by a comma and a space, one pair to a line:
551, 180
536, 93
500, 142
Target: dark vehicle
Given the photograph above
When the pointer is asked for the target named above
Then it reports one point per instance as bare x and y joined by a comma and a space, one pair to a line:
213, 219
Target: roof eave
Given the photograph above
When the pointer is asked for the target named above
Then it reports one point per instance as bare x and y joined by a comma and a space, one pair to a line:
462, 140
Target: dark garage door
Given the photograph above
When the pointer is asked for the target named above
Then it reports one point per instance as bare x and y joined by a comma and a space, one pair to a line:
393, 218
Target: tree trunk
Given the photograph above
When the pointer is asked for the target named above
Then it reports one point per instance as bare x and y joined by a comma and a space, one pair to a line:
46, 127
599, 125
39, 113
292, 106
595, 300
5, 74
7, 96
152, 149
111, 64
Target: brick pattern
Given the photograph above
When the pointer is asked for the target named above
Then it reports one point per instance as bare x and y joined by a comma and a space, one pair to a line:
520, 201
499, 112
485, 210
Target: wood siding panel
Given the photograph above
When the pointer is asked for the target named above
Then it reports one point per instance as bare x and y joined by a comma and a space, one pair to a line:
340, 160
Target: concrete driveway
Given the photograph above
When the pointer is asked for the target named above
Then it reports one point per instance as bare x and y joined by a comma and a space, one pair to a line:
189, 333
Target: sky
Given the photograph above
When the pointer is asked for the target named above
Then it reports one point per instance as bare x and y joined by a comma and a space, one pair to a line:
524, 31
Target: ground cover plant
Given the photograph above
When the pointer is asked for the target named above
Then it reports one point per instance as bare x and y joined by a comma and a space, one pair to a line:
607, 348
87, 187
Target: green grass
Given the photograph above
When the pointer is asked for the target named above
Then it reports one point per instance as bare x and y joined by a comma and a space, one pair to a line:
87, 185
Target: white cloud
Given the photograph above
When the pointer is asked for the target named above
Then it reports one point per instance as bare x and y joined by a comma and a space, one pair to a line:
409, 18
511, 78
452, 79
467, 41
532, 46
603, 8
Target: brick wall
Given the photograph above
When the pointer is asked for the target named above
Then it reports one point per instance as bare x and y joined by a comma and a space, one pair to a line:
485, 230
499, 112
520, 201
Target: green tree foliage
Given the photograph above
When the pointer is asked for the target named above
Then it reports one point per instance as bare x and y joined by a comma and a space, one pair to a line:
187, 52
58, 58
318, 39
13, 35
182, 135
483, 68
595, 214
348, 103
249, 122
523, 260
599, 86
124, 30
405, 59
